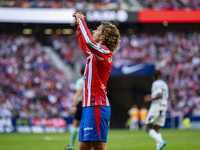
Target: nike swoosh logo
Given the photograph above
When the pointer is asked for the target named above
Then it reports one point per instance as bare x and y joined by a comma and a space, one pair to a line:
87, 134
131, 69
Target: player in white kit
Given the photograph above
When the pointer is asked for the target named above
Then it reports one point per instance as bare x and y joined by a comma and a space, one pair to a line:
157, 113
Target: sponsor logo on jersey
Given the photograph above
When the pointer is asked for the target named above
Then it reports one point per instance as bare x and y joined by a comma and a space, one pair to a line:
87, 134
110, 59
88, 128
100, 47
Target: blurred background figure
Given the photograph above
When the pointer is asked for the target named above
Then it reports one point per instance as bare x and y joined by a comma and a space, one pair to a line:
134, 117
76, 110
142, 116
186, 123
40, 62
157, 112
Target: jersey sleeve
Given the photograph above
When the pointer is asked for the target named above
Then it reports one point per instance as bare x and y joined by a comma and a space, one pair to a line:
94, 47
82, 42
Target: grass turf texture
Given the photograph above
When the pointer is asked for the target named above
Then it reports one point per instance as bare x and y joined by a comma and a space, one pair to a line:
117, 140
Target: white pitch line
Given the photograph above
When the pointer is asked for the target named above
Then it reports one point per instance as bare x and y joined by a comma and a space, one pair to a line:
48, 138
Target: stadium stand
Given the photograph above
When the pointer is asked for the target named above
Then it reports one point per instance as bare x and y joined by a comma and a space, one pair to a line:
103, 4
67, 47
44, 91
176, 53
77, 4
30, 84
168, 4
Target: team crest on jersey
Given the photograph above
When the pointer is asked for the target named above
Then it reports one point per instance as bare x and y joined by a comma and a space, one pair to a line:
110, 59
103, 87
84, 77
100, 47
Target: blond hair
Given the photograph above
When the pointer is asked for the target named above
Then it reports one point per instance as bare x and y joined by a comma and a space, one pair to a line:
112, 35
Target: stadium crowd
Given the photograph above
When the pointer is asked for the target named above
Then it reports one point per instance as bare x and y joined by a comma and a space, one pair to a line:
77, 4
100, 4
169, 4
175, 53
67, 47
30, 84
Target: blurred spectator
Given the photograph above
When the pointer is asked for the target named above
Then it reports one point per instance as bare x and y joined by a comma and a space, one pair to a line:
175, 53
77, 4
169, 4
30, 85
133, 113
142, 116
29, 80
68, 48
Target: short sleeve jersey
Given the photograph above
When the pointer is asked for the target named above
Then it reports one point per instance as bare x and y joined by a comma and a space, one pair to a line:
159, 86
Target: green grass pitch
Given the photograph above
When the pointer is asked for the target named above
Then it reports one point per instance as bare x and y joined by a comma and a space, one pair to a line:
117, 140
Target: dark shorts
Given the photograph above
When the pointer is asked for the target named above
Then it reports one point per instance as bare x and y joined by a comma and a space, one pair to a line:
78, 111
94, 123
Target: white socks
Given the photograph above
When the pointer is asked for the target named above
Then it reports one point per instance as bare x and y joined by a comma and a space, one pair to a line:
156, 136
160, 135
157, 143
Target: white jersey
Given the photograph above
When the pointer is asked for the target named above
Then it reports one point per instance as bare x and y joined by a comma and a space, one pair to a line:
157, 112
159, 87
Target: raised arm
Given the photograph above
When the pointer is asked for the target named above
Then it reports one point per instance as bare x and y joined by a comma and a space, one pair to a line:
94, 47
86, 37
82, 42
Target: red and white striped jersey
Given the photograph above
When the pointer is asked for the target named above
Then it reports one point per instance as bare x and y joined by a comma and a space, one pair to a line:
97, 69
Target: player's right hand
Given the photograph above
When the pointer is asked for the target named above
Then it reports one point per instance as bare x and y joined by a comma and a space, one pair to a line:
78, 15
147, 98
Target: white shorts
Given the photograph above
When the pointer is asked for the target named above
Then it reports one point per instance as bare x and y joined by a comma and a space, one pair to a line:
156, 115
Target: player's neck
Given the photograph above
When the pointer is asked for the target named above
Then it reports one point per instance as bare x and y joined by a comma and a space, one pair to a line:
101, 42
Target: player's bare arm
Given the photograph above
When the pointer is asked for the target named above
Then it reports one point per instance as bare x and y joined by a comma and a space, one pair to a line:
75, 102
148, 97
